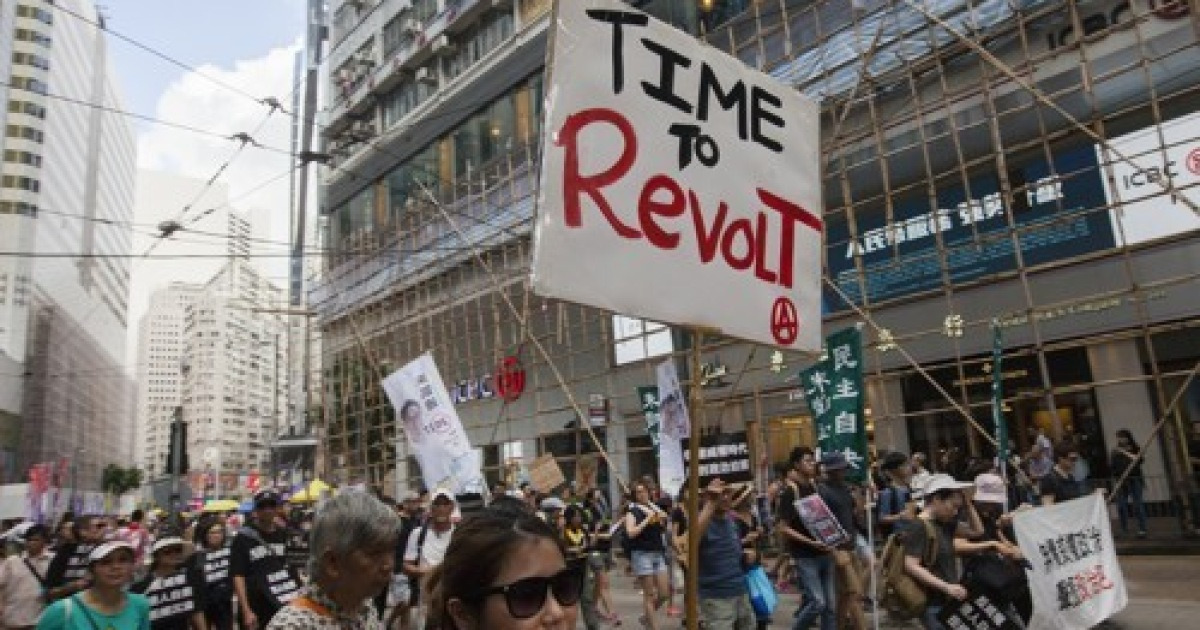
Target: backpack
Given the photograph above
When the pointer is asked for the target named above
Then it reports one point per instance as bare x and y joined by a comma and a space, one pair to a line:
900, 593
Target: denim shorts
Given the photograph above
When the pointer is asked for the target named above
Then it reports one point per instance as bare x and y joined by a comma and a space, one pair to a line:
647, 562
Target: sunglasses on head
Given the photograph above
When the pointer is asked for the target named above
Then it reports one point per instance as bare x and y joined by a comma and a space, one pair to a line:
525, 598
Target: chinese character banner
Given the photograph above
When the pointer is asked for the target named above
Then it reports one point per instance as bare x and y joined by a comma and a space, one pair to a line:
833, 389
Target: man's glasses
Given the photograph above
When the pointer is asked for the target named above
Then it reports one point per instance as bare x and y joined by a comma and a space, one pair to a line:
526, 597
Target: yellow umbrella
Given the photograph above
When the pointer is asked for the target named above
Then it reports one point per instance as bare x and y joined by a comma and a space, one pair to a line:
310, 494
220, 505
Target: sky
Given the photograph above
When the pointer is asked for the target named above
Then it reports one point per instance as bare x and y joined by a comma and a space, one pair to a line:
247, 44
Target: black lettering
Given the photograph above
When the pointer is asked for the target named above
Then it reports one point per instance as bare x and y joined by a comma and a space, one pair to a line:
736, 96
618, 19
759, 113
664, 90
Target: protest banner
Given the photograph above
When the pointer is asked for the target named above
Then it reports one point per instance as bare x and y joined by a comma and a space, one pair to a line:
1076, 581
648, 397
724, 455
545, 474
674, 427
669, 161
433, 429
977, 612
833, 389
820, 521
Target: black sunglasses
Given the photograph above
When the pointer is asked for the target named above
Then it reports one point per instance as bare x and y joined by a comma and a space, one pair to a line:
526, 597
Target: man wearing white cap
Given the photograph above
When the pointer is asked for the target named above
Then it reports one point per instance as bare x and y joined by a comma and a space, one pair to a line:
427, 544
935, 569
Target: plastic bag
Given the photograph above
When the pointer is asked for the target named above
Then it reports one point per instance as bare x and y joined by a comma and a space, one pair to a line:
762, 592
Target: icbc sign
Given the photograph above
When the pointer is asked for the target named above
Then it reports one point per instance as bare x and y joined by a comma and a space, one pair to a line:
510, 379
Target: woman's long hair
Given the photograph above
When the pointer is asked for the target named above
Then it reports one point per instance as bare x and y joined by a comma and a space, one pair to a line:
479, 549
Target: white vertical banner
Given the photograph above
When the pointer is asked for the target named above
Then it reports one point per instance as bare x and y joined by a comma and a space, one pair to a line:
434, 432
673, 173
1076, 580
674, 426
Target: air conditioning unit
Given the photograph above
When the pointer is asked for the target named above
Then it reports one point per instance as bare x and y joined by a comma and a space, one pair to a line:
443, 46
410, 26
425, 75
363, 58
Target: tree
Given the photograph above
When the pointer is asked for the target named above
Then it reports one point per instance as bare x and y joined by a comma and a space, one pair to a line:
117, 481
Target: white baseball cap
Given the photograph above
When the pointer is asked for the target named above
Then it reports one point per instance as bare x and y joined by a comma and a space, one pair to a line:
163, 543
101, 551
942, 481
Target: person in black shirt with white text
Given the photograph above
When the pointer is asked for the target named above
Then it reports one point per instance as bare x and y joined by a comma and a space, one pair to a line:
68, 572
175, 590
212, 559
262, 580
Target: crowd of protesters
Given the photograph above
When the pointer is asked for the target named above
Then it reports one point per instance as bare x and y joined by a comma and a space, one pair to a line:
546, 559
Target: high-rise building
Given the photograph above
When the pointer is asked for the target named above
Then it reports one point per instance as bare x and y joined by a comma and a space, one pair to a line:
161, 357
235, 374
66, 190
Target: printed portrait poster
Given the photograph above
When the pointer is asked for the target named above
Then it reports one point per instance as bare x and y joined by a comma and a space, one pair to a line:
690, 180
432, 427
674, 427
820, 521
1076, 580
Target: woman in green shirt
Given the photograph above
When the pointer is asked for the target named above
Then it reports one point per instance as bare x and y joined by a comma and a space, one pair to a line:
104, 605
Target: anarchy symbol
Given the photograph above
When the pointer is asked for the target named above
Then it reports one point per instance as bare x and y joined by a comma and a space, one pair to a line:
785, 323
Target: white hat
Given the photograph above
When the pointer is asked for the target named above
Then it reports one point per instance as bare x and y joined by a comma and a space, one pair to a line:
990, 488
942, 481
442, 492
163, 543
101, 551
553, 503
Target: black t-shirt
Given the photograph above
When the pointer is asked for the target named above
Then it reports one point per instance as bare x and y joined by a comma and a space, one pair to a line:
297, 548
841, 502
70, 563
1063, 487
269, 582
789, 516
944, 565
1119, 461
214, 566
173, 598
651, 538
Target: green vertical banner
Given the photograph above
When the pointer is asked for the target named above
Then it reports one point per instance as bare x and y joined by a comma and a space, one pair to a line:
648, 396
998, 398
834, 391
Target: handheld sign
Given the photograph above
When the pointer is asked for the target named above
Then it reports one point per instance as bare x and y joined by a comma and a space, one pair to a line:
677, 183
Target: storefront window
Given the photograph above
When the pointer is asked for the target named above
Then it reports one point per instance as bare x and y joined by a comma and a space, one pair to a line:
639, 339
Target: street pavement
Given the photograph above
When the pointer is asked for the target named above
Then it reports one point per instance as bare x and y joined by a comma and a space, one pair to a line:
1164, 594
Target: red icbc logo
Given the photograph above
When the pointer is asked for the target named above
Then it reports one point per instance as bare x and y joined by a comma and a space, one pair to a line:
510, 379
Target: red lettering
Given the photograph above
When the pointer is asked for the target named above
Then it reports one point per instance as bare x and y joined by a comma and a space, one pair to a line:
576, 184
648, 207
727, 244
705, 239
760, 257
787, 242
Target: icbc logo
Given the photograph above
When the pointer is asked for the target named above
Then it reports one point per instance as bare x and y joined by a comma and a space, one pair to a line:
1193, 161
510, 379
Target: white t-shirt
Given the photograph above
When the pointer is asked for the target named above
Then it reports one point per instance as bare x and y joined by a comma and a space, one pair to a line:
435, 546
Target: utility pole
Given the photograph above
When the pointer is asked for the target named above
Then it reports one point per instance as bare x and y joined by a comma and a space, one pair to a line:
176, 462
316, 35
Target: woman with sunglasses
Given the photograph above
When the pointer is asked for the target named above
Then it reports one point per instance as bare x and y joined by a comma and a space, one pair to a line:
504, 571
104, 604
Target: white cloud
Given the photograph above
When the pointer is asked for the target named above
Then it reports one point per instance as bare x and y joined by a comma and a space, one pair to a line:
198, 102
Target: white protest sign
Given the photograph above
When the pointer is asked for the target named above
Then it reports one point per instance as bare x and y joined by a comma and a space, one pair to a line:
678, 184
674, 426
1076, 581
1142, 210
435, 433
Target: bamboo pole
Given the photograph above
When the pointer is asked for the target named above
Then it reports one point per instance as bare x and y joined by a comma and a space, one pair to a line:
691, 584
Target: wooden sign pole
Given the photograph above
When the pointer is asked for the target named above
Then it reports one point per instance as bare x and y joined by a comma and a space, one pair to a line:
696, 413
